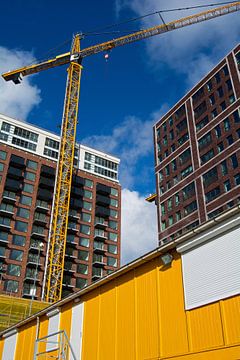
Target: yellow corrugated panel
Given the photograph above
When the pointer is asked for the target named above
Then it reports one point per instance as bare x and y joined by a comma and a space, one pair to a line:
1, 347
66, 318
125, 340
91, 326
205, 327
230, 353
25, 342
107, 326
146, 310
43, 331
231, 319
173, 322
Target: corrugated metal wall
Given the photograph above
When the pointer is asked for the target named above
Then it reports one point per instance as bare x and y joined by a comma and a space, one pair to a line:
140, 315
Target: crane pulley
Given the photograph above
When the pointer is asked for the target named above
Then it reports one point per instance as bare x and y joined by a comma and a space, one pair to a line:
52, 289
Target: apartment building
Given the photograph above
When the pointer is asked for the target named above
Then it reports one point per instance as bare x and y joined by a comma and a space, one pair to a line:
28, 160
197, 152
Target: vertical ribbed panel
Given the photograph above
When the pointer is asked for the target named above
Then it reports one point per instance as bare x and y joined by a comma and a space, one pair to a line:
172, 317
66, 318
43, 331
107, 326
205, 328
125, 341
26, 340
231, 316
76, 330
9, 347
146, 311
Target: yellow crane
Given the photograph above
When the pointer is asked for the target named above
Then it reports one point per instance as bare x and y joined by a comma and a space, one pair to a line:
57, 239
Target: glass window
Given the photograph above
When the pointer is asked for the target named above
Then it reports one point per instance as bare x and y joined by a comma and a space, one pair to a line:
3, 235
14, 270
163, 209
237, 179
16, 255
226, 124
234, 161
227, 185
220, 147
88, 183
86, 217
112, 236
224, 167
7, 207
113, 224
229, 84
3, 155
214, 113
111, 261
218, 131
85, 229
5, 126
87, 194
87, 205
163, 225
32, 164
24, 213
113, 213
19, 240
236, 117
230, 140
81, 283
202, 123
113, 202
212, 99
112, 249
186, 171
231, 99
205, 140
178, 215
5, 221
211, 195
28, 188
114, 192
188, 191
209, 86
84, 241
225, 70
220, 92
83, 255
82, 269
1, 167
11, 286
26, 200
21, 226
190, 208
30, 176
207, 156
170, 220
223, 105
217, 78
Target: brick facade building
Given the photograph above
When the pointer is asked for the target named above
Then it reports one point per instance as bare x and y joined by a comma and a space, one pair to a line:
197, 152
27, 177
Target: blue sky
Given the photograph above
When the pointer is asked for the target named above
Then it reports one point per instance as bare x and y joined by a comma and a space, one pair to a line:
120, 99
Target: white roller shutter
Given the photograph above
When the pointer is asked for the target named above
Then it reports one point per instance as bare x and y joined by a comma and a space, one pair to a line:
211, 271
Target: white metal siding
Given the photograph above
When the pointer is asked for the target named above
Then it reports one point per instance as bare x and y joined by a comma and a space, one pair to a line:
76, 330
211, 271
9, 347
53, 327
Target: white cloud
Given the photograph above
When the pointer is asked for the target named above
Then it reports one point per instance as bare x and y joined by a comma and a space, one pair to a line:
139, 226
191, 51
17, 100
132, 141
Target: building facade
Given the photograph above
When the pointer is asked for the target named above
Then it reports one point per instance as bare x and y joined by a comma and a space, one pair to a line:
197, 152
28, 160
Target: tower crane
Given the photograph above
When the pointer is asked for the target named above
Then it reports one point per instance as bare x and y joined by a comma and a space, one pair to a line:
52, 290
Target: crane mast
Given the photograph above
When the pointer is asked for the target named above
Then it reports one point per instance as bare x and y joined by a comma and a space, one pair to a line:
52, 289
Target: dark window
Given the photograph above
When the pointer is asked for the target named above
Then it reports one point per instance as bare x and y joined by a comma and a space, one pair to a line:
205, 140
223, 105
213, 194
198, 95
21, 226
186, 171
227, 185
218, 131
224, 167
32, 164
206, 157
182, 125
220, 147
24, 213
11, 286
190, 208
210, 177
183, 139
226, 124
220, 92
209, 86
234, 161
229, 84
188, 191
16, 255
200, 109
185, 156
14, 270
217, 78
230, 140
19, 240
202, 123
237, 179
214, 113
236, 116
225, 70
212, 99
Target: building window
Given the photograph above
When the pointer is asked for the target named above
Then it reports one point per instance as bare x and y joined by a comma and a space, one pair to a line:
85, 229
220, 92
112, 261
178, 215
229, 85
81, 283
224, 167
188, 191
32, 164
170, 220
114, 202
26, 200
1, 167
218, 131
207, 156
82, 269
231, 99
88, 183
198, 111
113, 213
234, 161
185, 156
14, 270
88, 156
114, 192
230, 140
227, 185
24, 144
30, 176
84, 242
205, 140
223, 105
86, 217
236, 117
3, 155
202, 123
190, 208
212, 99
5, 126
237, 179
220, 147
52, 143
5, 221
214, 113
11, 286
87, 205
51, 153
16, 255
113, 224
226, 124
112, 236
213, 194
183, 139
87, 166
83, 255
209, 86
19, 240
28, 188
24, 213
26, 134
217, 78
21, 226
87, 194
186, 171
210, 177
171, 135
